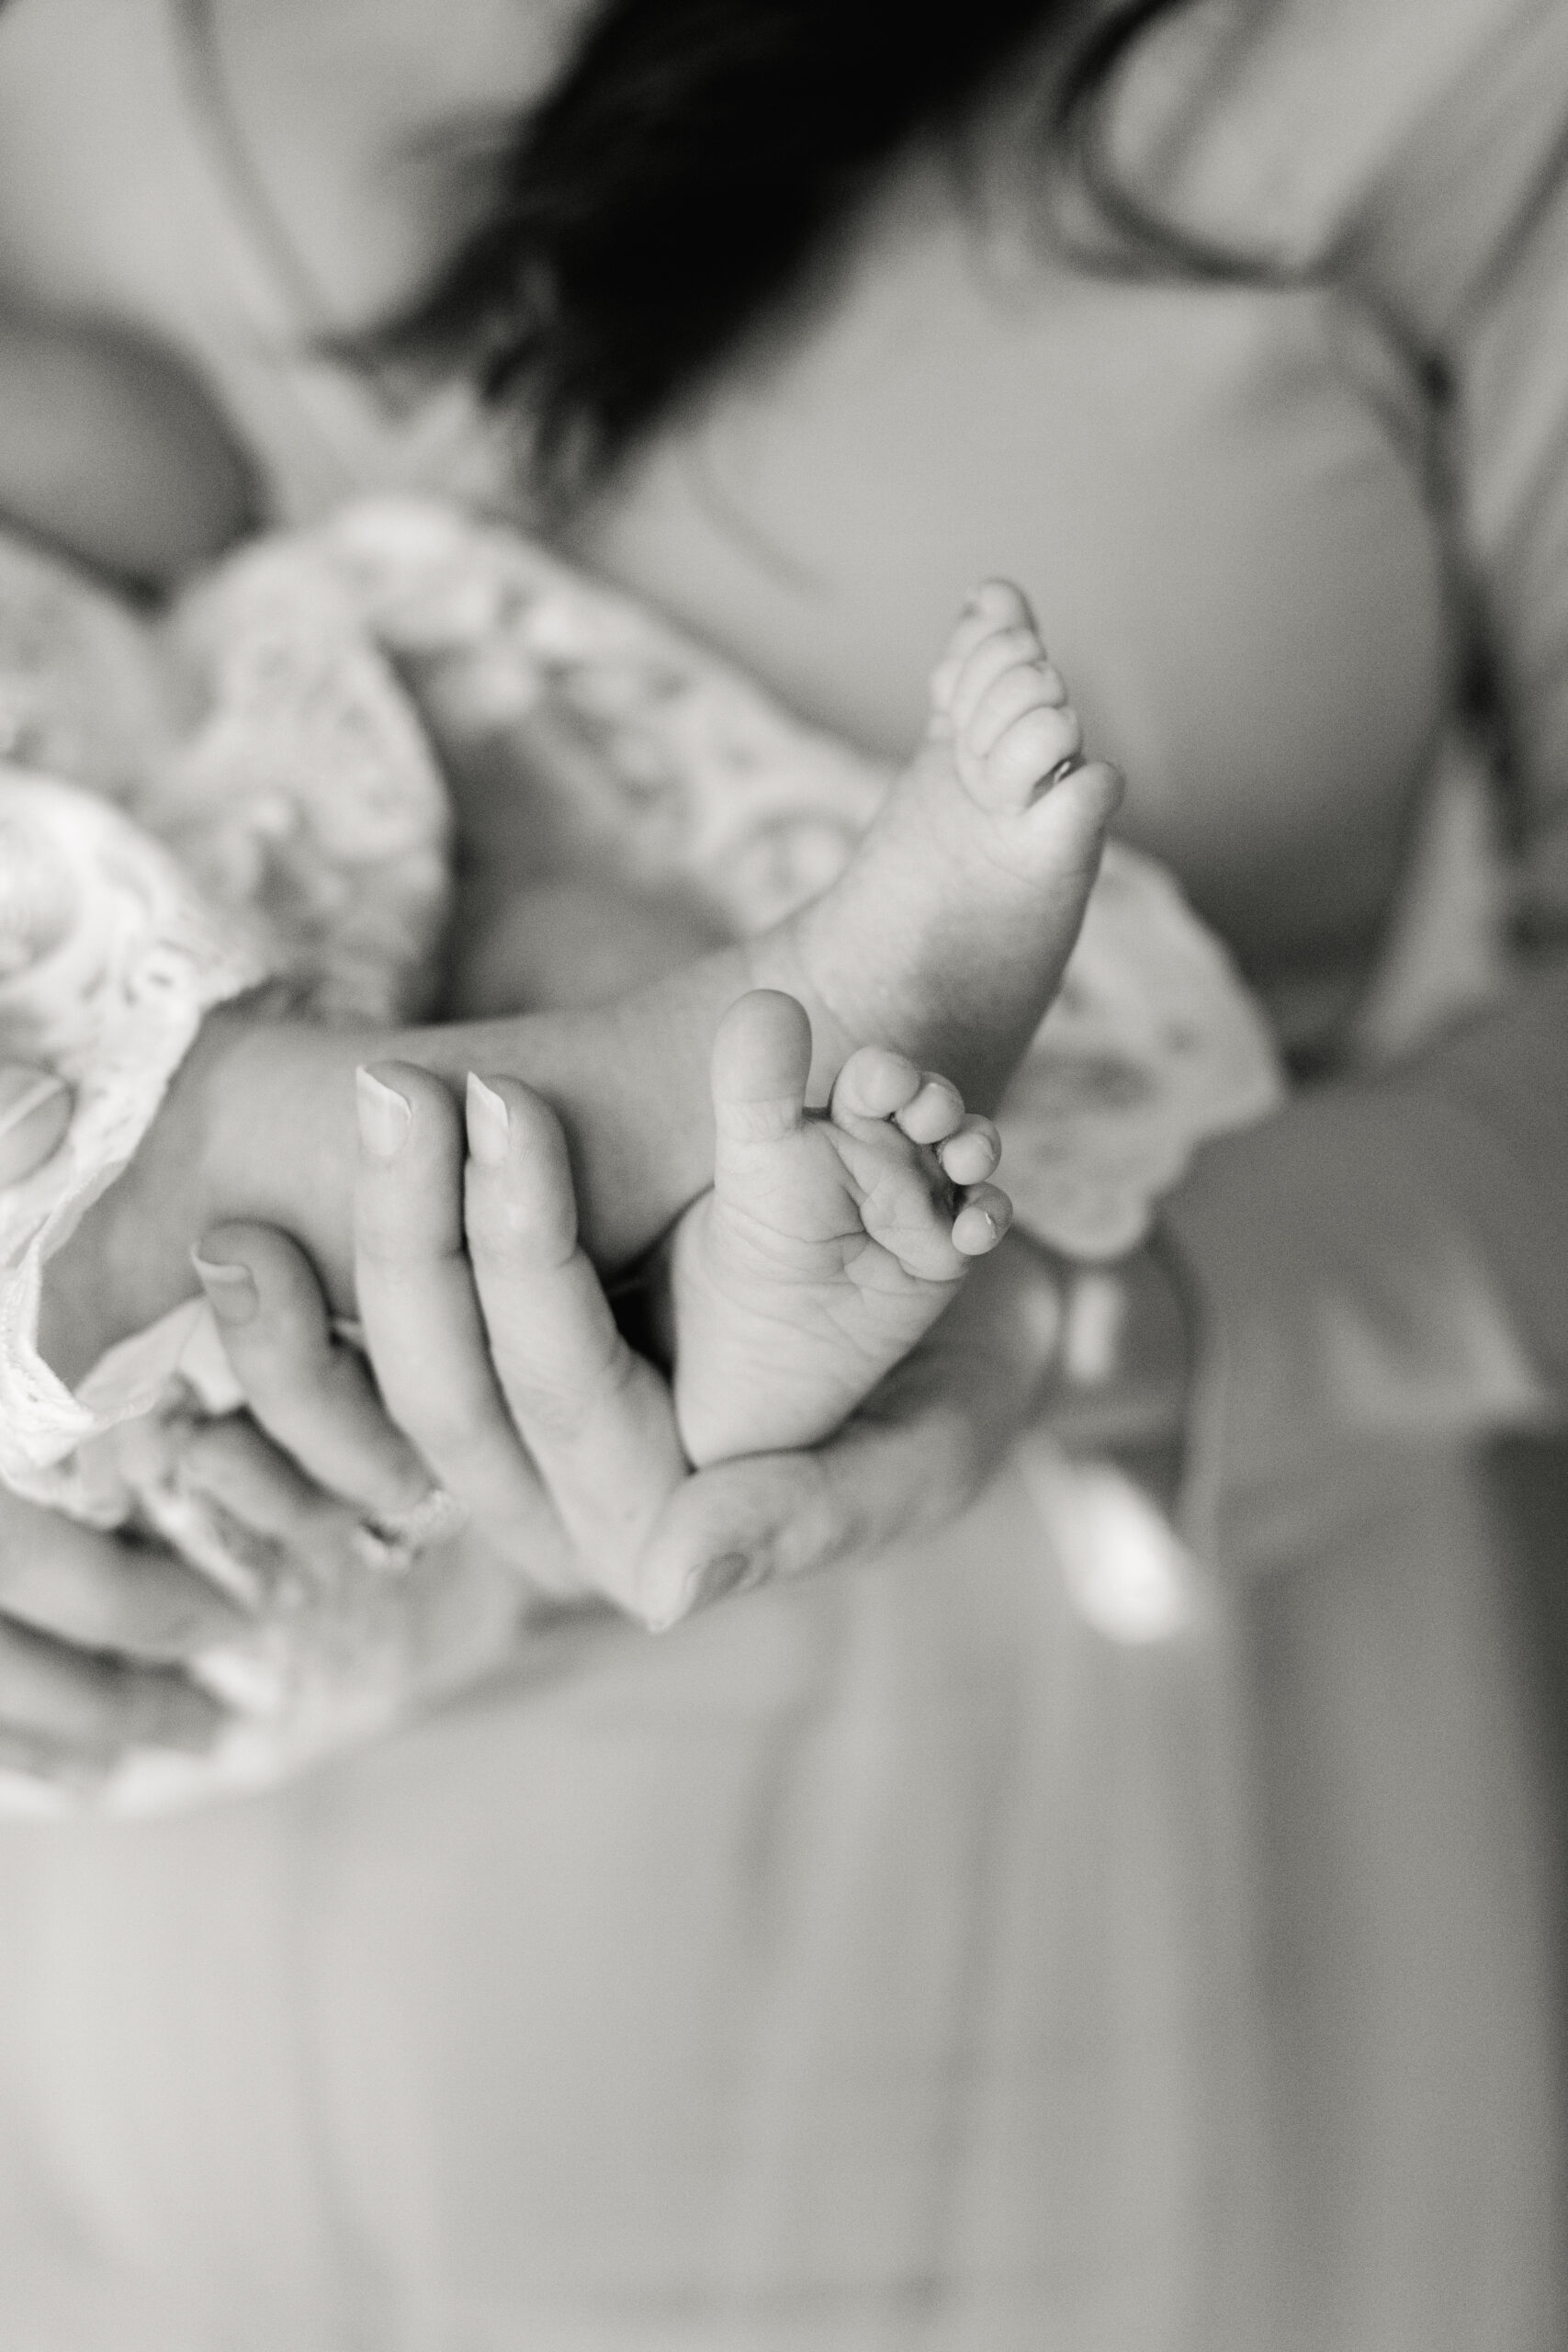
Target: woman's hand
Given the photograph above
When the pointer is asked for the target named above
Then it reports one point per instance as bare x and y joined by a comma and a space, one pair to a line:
493, 1341
95, 1632
503, 1363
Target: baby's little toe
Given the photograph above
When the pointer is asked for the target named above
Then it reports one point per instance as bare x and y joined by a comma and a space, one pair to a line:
982, 1221
995, 603
935, 1112
972, 1154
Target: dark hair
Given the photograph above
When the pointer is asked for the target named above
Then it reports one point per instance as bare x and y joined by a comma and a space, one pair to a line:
688, 167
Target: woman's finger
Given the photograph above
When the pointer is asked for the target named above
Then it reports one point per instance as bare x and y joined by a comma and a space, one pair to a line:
235, 1464
35, 1112
97, 1708
598, 1421
421, 1320
309, 1390
101, 1593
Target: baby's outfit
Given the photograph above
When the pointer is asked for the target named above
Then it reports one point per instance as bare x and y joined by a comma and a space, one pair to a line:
238, 795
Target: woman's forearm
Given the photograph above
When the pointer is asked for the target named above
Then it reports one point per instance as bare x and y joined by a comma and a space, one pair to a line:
1389, 1258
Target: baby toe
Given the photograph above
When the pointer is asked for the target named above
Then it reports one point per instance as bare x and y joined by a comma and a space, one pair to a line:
935, 1112
762, 1059
874, 1083
1003, 649
1028, 686
972, 1154
999, 604
994, 605
982, 1221
1025, 754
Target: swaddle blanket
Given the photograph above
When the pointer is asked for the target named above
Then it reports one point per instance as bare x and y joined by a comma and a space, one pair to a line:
241, 792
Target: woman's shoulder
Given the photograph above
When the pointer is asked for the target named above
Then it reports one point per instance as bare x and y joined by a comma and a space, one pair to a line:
1423, 127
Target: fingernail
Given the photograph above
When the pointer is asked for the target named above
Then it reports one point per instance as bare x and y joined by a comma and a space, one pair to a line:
489, 1128
231, 1290
33, 1096
385, 1115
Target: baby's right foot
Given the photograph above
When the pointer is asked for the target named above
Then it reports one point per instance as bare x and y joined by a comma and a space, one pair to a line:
947, 933
828, 1246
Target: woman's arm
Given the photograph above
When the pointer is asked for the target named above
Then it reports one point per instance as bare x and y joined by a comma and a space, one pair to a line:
1390, 1256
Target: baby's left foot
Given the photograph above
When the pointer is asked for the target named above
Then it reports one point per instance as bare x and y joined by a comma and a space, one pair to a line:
829, 1245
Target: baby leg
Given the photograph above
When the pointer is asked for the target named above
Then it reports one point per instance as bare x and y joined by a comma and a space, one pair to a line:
945, 939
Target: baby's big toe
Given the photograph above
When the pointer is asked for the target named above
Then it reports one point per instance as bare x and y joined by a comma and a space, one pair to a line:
761, 1057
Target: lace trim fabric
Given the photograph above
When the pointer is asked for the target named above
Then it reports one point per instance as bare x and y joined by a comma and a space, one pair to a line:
252, 799
108, 959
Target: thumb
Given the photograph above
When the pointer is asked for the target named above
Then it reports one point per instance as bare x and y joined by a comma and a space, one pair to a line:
35, 1112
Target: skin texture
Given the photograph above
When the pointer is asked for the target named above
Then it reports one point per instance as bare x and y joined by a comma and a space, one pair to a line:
826, 1247
568, 1395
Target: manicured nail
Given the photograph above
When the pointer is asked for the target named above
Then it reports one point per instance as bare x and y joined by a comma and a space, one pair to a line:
385, 1115
489, 1128
231, 1290
35, 1093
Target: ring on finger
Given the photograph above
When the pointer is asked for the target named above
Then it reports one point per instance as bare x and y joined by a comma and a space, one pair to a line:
391, 1541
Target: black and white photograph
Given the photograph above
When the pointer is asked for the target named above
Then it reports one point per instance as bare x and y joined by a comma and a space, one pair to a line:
784, 1176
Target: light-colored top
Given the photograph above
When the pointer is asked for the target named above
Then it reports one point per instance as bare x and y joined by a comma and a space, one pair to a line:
898, 1961
1243, 519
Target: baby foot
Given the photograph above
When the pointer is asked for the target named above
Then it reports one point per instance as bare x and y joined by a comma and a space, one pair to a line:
828, 1244
947, 931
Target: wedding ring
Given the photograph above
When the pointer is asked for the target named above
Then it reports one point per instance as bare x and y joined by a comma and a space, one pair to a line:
391, 1541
